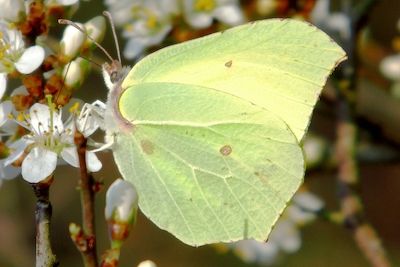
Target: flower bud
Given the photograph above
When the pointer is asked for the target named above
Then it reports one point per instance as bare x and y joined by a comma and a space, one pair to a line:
75, 72
72, 41
121, 209
147, 263
95, 28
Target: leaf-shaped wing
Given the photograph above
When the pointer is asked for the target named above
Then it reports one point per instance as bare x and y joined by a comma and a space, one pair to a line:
208, 166
280, 65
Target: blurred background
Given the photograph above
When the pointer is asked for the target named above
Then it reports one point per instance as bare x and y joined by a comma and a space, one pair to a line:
323, 243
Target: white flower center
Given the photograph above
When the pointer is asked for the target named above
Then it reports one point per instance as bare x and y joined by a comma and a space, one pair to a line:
48, 132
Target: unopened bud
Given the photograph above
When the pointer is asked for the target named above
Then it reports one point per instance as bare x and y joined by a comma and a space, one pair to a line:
72, 41
75, 72
121, 209
95, 28
12, 10
147, 263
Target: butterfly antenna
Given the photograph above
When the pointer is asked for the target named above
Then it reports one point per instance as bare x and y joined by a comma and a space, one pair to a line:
63, 84
110, 19
90, 60
68, 22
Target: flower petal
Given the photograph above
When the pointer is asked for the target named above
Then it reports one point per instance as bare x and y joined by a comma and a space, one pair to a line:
70, 155
299, 215
38, 165
67, 2
17, 148
230, 14
20, 90
40, 118
267, 253
287, 235
93, 163
5, 109
133, 48
199, 20
9, 172
30, 60
12, 10
3, 84
308, 201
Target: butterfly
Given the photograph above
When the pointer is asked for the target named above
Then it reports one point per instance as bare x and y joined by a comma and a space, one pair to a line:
209, 130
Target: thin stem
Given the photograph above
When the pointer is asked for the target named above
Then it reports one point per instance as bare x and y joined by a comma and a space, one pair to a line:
44, 253
348, 172
87, 185
348, 177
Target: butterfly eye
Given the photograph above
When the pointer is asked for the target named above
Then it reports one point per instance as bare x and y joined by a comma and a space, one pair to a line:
114, 76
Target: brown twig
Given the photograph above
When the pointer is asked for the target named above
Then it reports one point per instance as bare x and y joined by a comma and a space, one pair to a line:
348, 177
348, 173
44, 253
85, 239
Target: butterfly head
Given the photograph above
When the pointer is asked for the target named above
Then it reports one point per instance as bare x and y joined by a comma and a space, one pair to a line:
114, 73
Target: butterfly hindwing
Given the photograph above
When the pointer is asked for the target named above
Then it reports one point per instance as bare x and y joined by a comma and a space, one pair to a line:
221, 171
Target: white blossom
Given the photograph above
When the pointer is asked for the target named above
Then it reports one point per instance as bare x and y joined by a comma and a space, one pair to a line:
7, 171
14, 55
5, 109
121, 10
49, 140
145, 23
200, 13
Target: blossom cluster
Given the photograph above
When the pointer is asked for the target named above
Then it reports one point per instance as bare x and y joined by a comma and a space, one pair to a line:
38, 118
146, 23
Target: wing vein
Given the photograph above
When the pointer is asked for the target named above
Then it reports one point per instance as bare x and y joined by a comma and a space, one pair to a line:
168, 192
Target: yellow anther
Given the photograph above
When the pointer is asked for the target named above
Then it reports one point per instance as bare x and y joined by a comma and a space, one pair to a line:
204, 5
20, 117
151, 22
74, 108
